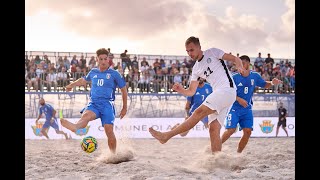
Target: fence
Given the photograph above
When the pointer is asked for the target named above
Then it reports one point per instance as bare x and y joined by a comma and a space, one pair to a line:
152, 105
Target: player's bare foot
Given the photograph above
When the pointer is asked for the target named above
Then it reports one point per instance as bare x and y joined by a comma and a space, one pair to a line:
68, 125
161, 137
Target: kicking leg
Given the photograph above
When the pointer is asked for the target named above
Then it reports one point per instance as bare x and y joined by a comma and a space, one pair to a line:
83, 122
196, 116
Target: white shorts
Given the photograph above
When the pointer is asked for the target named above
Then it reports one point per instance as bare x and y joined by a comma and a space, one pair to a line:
220, 100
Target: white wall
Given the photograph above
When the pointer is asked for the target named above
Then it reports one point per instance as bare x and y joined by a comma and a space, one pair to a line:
138, 128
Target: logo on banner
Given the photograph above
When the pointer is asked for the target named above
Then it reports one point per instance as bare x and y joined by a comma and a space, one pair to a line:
37, 129
82, 131
266, 126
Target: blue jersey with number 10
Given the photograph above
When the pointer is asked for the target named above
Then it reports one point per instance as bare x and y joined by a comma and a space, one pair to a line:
104, 84
246, 87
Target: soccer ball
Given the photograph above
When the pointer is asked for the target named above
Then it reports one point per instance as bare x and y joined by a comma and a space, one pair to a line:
89, 144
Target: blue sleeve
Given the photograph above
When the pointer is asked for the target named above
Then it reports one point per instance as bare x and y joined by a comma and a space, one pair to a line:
88, 76
260, 81
189, 98
40, 111
120, 82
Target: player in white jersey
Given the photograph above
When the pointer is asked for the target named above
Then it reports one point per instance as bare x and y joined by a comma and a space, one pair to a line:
209, 65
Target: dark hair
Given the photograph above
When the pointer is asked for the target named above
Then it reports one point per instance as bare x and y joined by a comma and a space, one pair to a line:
193, 40
245, 57
102, 51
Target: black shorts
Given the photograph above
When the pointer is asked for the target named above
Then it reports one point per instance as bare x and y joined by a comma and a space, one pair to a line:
282, 123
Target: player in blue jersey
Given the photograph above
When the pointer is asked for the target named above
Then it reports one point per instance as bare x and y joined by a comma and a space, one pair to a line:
193, 102
104, 82
241, 110
51, 119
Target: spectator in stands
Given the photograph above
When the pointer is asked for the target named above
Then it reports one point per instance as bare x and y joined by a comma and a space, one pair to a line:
162, 63
258, 62
74, 60
144, 61
26, 61
46, 59
144, 81
37, 60
67, 63
125, 60
63, 78
135, 78
51, 80
282, 119
269, 60
92, 63
32, 80
156, 64
129, 80
83, 63
158, 81
135, 63
144, 67
73, 70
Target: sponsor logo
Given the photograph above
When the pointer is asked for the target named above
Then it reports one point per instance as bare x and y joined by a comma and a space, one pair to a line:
252, 82
266, 126
108, 75
290, 126
209, 60
240, 84
37, 129
95, 76
82, 131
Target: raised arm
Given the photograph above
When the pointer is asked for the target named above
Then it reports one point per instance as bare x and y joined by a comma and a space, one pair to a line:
236, 60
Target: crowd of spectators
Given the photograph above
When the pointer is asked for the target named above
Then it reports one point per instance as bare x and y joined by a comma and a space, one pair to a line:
141, 74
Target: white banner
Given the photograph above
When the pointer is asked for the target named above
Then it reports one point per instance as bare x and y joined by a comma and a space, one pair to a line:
138, 128
265, 105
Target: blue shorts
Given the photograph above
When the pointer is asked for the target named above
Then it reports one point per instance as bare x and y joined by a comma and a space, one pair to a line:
54, 124
105, 111
242, 116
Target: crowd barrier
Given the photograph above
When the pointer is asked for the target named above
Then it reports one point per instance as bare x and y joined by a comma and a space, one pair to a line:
138, 128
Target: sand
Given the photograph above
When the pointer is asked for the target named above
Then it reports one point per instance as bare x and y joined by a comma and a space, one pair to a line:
179, 158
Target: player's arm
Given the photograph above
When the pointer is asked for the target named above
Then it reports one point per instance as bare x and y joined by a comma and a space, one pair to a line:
274, 81
236, 60
124, 94
40, 114
186, 92
242, 101
78, 82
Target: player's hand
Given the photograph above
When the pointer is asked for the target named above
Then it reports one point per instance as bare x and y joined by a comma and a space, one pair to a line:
242, 102
177, 87
276, 81
123, 112
242, 71
68, 88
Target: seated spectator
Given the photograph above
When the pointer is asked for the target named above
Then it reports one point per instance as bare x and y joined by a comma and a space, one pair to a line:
63, 78
51, 80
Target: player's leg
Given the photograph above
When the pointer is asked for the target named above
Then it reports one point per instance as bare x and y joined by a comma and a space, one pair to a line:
107, 121
246, 125
89, 114
284, 125
232, 121
278, 126
55, 126
196, 116
44, 128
